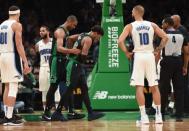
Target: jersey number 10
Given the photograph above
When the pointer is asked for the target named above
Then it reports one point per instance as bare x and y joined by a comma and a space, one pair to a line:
3, 38
47, 58
144, 38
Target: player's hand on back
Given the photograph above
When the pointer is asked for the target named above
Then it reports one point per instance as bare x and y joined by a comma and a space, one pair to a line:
129, 55
184, 71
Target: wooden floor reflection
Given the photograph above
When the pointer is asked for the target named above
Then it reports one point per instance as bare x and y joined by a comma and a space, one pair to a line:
98, 125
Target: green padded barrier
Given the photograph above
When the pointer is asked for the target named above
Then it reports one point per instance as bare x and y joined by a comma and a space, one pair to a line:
109, 81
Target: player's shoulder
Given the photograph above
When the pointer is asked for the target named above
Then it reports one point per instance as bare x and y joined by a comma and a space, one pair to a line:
17, 26
128, 26
86, 38
39, 42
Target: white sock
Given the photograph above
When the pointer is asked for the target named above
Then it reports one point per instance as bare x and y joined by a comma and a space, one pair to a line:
153, 105
9, 112
5, 109
158, 109
44, 106
142, 110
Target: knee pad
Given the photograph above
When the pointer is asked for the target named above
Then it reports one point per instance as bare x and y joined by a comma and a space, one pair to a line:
13, 89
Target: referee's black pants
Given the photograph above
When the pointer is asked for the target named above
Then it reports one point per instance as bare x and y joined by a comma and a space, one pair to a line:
171, 69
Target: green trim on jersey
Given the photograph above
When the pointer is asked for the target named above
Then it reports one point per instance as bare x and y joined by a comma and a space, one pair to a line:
69, 71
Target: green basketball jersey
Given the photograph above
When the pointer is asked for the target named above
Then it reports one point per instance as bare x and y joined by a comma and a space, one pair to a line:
78, 45
54, 44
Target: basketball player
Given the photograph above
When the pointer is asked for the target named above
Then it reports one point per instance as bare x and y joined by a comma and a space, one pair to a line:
58, 67
142, 33
44, 48
172, 67
76, 72
12, 55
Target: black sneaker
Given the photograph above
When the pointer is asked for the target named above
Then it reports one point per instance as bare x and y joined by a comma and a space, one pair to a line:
2, 114
95, 115
75, 115
163, 117
46, 117
12, 122
58, 116
2, 121
151, 111
17, 117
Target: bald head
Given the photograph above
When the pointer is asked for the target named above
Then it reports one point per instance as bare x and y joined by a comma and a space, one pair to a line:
177, 20
139, 9
72, 18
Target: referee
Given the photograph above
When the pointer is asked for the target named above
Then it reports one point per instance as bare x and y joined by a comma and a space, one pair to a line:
172, 67
183, 30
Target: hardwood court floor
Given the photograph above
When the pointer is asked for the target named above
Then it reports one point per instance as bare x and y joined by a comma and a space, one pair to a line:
104, 124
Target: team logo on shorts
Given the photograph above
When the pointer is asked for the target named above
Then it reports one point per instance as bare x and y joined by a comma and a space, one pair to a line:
17, 76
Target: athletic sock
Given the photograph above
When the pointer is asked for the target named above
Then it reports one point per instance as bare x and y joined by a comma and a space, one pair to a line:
158, 109
142, 110
5, 109
9, 112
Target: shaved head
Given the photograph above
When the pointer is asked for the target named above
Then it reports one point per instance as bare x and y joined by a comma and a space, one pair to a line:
139, 9
177, 20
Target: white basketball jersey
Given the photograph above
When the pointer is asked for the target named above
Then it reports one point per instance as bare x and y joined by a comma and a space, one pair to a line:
45, 52
142, 36
7, 40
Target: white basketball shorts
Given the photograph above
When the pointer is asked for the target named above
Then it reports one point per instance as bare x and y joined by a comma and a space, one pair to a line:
11, 67
144, 66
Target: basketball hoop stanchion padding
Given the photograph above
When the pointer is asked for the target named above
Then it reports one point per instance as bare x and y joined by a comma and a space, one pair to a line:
109, 87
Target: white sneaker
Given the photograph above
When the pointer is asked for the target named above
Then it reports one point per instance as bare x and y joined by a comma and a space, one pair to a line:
158, 119
143, 120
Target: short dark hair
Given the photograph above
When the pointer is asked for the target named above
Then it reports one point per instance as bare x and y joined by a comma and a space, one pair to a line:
169, 21
13, 8
98, 29
46, 27
71, 18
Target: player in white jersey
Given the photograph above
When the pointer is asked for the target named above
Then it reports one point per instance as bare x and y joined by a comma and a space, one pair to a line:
44, 47
142, 33
12, 55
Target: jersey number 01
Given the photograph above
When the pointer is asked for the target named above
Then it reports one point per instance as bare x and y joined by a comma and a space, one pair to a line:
3, 38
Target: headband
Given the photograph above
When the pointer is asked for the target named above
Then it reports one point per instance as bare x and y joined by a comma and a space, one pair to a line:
14, 12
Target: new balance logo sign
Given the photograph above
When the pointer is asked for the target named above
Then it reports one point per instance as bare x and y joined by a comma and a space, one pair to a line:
100, 95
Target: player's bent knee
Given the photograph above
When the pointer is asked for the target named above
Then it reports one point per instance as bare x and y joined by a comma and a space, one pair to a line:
13, 89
